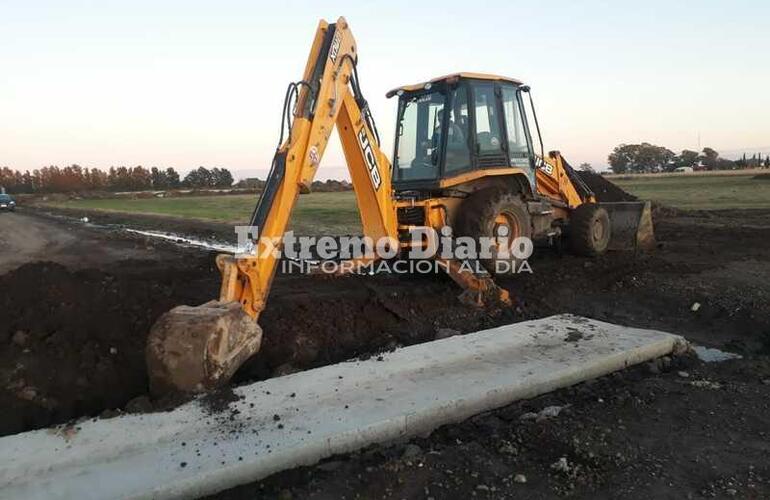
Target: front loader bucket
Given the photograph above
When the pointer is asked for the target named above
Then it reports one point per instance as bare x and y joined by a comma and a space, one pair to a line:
631, 225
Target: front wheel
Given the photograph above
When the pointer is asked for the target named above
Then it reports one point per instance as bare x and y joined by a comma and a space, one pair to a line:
491, 213
589, 230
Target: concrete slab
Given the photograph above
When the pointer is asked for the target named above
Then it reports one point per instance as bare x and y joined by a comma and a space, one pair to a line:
211, 444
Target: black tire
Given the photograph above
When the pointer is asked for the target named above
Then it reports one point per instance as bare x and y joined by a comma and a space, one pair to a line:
589, 230
478, 217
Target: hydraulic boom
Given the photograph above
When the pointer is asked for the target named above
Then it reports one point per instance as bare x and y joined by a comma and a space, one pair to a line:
197, 348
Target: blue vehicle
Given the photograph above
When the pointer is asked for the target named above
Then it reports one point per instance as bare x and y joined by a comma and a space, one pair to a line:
7, 203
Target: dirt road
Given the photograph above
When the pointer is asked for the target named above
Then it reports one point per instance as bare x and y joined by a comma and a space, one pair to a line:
27, 238
72, 341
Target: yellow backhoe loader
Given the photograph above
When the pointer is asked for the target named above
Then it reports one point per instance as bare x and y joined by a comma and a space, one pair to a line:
464, 158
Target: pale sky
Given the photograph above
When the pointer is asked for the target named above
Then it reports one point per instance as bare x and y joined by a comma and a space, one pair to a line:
188, 83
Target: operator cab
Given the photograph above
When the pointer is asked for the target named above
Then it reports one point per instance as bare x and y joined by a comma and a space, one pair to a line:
440, 137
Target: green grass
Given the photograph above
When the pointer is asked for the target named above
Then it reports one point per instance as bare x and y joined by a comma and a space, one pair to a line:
336, 213
701, 192
315, 213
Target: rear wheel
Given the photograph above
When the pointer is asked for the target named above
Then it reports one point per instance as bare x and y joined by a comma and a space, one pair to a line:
491, 213
589, 230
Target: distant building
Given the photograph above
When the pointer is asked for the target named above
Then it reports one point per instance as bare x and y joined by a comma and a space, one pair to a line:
684, 169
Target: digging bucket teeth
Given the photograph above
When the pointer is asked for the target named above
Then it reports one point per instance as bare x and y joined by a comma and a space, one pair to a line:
631, 225
196, 349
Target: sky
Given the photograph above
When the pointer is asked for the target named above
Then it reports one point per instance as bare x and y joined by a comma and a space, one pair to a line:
188, 83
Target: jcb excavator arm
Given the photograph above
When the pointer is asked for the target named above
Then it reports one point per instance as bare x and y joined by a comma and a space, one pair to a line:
197, 348
328, 95
192, 349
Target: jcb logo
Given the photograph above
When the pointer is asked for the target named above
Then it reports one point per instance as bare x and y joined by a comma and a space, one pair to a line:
335, 48
371, 161
547, 168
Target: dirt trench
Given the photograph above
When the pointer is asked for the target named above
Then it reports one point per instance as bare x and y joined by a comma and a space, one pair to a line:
72, 334
72, 341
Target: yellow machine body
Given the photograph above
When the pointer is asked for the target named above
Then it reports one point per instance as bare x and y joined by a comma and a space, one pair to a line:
195, 349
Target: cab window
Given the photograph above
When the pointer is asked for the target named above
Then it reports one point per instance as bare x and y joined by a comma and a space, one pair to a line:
458, 153
518, 142
419, 136
488, 137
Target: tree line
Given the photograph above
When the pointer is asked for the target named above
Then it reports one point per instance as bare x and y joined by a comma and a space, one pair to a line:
647, 158
75, 178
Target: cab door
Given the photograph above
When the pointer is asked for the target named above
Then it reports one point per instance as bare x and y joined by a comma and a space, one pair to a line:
517, 136
489, 139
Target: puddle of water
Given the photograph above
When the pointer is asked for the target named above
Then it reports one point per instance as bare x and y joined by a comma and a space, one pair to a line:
185, 240
172, 237
711, 355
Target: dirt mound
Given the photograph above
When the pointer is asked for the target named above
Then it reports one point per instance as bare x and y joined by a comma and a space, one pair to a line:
72, 342
605, 190
72, 345
312, 321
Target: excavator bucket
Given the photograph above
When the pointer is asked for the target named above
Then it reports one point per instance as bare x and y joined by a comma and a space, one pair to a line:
631, 225
195, 349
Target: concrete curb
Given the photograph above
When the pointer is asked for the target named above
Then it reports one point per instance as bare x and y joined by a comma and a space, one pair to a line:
301, 418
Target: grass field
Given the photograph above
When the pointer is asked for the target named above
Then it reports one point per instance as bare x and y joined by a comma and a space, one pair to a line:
316, 213
700, 173
336, 213
701, 192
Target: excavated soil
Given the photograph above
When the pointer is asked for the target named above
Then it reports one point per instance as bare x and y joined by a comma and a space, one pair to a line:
604, 189
72, 340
